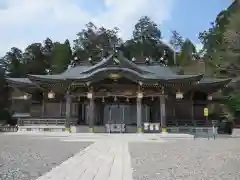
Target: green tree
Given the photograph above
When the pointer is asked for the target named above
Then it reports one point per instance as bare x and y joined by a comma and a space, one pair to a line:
146, 37
217, 54
186, 54
4, 98
47, 51
232, 35
93, 43
61, 57
147, 43
34, 59
221, 47
14, 63
176, 41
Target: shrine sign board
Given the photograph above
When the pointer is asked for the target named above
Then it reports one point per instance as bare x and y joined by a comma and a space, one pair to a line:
205, 111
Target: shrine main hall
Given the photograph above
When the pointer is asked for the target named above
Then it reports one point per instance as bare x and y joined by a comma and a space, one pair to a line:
115, 92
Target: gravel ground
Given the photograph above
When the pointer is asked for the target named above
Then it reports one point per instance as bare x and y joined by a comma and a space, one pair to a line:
26, 158
199, 159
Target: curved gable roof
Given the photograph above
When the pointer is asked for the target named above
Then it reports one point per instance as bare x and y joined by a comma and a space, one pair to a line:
115, 60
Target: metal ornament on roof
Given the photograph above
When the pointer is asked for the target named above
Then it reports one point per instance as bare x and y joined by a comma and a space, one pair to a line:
133, 59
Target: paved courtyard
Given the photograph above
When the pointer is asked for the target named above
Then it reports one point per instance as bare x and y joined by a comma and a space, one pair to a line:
118, 157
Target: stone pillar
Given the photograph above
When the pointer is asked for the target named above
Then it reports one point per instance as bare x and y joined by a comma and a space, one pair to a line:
68, 109
163, 113
91, 114
139, 112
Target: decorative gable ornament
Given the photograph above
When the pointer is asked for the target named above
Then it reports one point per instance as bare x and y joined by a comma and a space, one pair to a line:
133, 59
114, 76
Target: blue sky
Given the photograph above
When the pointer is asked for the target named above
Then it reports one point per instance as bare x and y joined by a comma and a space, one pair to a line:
189, 17
27, 21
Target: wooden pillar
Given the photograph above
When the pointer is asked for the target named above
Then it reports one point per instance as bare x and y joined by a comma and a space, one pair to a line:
139, 112
68, 109
60, 108
163, 112
192, 110
43, 105
91, 114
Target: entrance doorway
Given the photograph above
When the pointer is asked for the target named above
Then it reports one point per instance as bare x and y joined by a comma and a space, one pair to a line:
116, 114
115, 118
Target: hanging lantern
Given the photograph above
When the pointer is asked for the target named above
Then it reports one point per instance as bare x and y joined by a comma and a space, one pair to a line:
179, 95
140, 95
209, 97
152, 98
89, 59
51, 95
103, 100
89, 95
25, 97
127, 100
115, 98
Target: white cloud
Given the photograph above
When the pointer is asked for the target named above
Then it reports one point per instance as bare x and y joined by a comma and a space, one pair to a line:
27, 21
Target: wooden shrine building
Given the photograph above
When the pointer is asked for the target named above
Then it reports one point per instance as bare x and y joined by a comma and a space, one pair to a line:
117, 91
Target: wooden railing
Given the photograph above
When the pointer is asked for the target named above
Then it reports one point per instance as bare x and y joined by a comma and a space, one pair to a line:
43, 121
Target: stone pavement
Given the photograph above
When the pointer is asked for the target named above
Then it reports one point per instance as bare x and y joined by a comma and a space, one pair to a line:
104, 160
